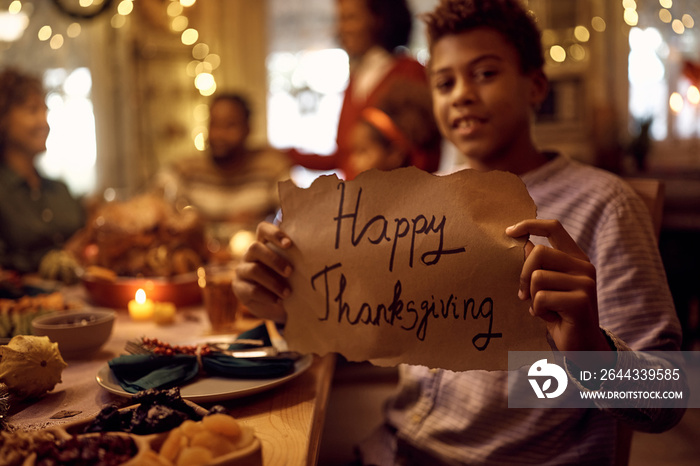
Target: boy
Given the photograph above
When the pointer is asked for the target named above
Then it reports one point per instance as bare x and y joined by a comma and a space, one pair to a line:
595, 278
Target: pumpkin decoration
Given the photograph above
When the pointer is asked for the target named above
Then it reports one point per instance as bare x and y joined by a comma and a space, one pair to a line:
30, 366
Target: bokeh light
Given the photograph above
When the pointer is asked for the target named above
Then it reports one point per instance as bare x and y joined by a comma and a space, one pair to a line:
557, 53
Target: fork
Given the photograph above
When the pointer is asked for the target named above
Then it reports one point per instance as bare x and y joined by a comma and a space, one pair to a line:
132, 347
266, 352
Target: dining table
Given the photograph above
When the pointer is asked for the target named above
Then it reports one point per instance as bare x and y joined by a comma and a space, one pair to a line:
287, 418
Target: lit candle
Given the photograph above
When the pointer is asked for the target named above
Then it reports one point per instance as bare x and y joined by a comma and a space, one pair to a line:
140, 308
164, 313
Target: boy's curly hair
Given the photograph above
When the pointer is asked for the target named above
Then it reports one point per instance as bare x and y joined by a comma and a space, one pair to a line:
509, 17
15, 88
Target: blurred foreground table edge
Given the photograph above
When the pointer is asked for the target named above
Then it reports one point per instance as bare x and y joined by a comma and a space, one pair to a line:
289, 420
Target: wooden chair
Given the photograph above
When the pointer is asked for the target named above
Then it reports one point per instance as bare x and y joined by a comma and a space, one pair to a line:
652, 193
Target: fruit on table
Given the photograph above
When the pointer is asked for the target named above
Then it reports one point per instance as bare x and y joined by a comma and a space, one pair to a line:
59, 265
30, 365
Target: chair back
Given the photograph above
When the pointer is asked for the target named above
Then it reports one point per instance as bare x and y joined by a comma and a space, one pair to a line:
652, 192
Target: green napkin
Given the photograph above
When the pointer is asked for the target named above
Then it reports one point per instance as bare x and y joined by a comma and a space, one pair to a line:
136, 372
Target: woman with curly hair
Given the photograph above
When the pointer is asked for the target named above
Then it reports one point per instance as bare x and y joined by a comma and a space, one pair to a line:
37, 214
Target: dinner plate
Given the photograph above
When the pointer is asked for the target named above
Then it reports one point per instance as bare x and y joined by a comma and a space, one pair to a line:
210, 389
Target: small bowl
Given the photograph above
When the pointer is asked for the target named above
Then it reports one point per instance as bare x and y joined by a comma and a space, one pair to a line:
78, 333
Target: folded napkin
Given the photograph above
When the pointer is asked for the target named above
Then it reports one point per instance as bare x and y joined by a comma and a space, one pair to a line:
136, 372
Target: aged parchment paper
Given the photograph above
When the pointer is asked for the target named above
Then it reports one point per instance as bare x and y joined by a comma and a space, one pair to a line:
408, 267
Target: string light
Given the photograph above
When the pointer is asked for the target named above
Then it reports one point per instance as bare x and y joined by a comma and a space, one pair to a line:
189, 36
688, 21
665, 15
179, 23
598, 24
677, 26
125, 7
15, 7
676, 102
44, 33
631, 17
74, 30
582, 34
557, 53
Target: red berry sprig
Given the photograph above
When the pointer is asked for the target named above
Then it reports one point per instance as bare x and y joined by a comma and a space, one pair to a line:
156, 346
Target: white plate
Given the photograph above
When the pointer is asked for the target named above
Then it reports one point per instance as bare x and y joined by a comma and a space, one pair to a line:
209, 389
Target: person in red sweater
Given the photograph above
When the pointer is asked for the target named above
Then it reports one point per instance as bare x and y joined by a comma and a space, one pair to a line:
373, 33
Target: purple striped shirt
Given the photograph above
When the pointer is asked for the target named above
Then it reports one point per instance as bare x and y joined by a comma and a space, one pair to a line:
463, 418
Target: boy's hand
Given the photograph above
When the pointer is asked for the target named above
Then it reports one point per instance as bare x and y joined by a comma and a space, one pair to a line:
261, 278
561, 282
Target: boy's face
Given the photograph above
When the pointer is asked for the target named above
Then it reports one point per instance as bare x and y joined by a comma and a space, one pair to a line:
482, 100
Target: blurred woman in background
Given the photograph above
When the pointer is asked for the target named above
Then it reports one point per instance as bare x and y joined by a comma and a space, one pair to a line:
37, 214
374, 33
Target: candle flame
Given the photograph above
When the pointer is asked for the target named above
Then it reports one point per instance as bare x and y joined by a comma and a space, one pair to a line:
140, 296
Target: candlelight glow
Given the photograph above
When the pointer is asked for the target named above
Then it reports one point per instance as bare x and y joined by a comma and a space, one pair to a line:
693, 95
140, 296
241, 241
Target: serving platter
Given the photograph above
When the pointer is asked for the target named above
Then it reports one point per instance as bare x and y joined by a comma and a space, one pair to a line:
211, 389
